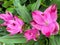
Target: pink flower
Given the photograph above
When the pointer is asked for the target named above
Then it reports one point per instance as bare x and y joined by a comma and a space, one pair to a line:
31, 34
15, 26
46, 21
6, 17
13, 23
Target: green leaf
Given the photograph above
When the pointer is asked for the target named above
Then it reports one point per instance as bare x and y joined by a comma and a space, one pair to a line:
32, 1
1, 0
1, 21
36, 5
52, 41
8, 44
30, 42
7, 4
10, 9
12, 39
41, 40
23, 1
3, 31
0, 9
29, 7
22, 11
55, 40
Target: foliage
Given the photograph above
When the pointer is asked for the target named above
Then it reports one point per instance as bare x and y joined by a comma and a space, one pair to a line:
23, 9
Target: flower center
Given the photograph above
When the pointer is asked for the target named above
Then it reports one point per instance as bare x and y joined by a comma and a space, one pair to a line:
42, 14
46, 22
14, 24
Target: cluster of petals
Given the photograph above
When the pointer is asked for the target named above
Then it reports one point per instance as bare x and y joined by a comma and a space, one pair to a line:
46, 21
13, 23
32, 34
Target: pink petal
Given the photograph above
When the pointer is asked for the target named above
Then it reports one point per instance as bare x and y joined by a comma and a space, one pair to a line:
14, 27
3, 16
4, 24
53, 11
47, 30
13, 31
35, 25
31, 34
56, 29
19, 20
28, 35
9, 13
47, 18
7, 16
38, 17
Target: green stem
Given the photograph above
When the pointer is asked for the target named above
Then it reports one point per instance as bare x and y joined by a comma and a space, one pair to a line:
44, 5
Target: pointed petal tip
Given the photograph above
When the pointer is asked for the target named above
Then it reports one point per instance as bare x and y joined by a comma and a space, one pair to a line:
54, 4
35, 12
54, 7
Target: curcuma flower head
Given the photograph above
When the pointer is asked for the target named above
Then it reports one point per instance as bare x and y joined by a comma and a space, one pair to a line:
13, 24
46, 21
32, 34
